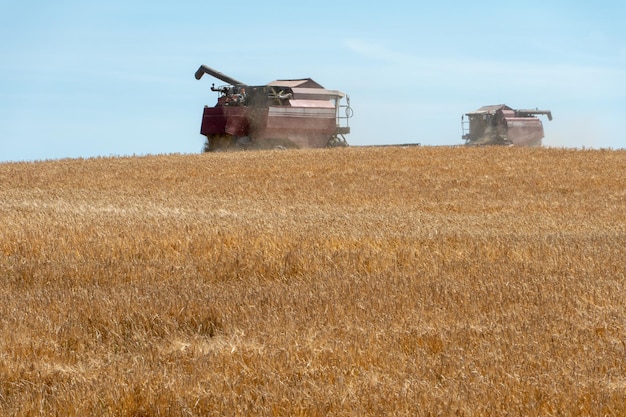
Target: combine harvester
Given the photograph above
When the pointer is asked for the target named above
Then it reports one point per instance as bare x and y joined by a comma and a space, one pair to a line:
297, 113
501, 125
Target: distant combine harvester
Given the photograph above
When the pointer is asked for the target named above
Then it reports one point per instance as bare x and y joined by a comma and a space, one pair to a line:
502, 125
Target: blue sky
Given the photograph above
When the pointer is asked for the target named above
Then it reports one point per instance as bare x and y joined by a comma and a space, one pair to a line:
114, 78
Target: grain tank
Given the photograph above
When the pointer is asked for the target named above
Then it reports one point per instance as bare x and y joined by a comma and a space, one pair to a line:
502, 125
294, 113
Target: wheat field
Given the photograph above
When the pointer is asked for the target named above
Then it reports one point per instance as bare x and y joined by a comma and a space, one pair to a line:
422, 281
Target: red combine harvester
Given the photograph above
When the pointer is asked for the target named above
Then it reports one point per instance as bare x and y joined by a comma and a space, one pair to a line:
501, 125
282, 114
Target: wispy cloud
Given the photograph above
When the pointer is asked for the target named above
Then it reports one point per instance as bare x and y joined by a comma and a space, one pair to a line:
592, 79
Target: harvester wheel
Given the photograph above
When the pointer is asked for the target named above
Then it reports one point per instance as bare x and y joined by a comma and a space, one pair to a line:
337, 141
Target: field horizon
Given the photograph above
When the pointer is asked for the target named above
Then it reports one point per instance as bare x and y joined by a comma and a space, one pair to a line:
353, 281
